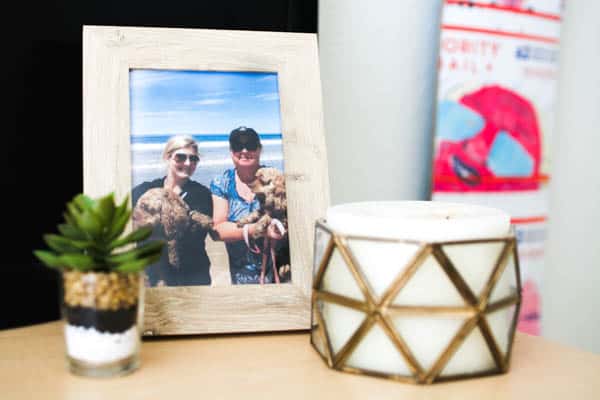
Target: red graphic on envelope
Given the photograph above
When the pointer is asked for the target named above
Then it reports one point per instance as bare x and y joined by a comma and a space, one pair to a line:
488, 140
529, 317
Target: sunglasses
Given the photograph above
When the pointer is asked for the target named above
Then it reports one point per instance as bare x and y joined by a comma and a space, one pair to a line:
251, 146
181, 157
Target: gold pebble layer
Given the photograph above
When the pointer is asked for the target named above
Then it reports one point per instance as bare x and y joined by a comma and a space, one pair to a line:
101, 290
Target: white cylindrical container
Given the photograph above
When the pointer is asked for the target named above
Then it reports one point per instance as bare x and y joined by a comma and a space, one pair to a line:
379, 73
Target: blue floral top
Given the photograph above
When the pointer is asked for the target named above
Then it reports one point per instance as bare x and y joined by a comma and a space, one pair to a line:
244, 265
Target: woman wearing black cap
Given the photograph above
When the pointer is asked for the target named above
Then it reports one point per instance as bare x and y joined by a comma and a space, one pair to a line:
233, 200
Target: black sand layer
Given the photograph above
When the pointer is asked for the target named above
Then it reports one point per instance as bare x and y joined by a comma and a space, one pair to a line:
116, 321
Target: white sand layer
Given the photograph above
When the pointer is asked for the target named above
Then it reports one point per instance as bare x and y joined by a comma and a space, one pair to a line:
90, 345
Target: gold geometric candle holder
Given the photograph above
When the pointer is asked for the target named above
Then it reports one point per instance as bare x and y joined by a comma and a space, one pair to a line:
443, 316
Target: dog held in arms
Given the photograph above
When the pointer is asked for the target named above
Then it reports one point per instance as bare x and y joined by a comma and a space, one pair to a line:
269, 189
171, 219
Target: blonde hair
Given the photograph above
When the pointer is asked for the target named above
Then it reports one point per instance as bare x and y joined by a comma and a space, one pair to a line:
179, 142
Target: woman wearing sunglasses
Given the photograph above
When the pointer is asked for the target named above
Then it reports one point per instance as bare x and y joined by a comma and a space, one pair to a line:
233, 200
181, 157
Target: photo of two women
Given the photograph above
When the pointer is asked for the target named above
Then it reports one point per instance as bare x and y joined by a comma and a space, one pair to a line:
207, 176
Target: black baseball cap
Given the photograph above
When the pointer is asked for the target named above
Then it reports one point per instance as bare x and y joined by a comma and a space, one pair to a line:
244, 138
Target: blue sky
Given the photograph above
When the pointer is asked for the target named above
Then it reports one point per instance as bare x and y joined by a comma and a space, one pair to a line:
193, 102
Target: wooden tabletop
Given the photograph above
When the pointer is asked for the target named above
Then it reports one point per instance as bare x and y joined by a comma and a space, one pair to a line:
273, 366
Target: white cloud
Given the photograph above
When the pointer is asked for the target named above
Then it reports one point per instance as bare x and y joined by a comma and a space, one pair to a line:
141, 79
160, 114
267, 78
208, 102
268, 96
217, 93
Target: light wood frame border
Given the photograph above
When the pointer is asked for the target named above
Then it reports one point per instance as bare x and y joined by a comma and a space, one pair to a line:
108, 55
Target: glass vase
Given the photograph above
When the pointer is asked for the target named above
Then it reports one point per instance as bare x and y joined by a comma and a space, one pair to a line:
102, 314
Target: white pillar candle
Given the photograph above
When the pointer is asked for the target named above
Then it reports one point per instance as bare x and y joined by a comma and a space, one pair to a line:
381, 262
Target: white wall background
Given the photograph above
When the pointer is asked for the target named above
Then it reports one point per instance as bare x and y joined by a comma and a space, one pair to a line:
378, 69
571, 285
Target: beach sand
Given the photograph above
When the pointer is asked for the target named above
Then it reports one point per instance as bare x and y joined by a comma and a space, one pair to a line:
219, 263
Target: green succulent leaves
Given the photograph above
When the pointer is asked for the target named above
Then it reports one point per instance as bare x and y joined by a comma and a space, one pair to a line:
91, 238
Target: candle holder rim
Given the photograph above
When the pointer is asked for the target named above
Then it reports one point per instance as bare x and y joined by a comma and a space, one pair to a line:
322, 223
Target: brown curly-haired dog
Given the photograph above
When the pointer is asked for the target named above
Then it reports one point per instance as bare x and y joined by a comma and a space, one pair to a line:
171, 219
269, 189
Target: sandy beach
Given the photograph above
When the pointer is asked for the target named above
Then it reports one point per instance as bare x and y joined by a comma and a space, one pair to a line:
219, 268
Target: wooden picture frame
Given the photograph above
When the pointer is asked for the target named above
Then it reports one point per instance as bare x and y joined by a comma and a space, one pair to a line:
109, 53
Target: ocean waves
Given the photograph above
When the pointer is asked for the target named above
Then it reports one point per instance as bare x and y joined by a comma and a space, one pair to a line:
158, 147
225, 162
147, 163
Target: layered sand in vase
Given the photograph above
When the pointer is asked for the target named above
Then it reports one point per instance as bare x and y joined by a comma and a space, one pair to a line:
101, 310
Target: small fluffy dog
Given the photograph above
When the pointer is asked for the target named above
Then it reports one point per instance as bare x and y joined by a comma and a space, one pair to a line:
269, 189
171, 219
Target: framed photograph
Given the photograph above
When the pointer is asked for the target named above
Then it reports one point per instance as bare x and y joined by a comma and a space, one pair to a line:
217, 138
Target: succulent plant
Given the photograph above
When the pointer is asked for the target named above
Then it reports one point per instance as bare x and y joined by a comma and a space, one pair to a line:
91, 239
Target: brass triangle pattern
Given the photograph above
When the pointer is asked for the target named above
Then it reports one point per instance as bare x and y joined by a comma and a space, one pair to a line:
322, 333
380, 312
